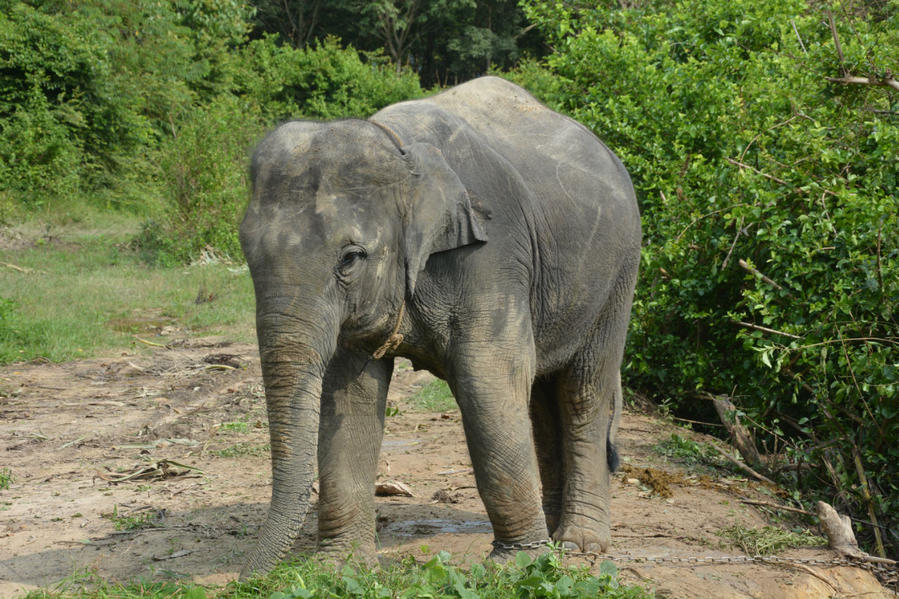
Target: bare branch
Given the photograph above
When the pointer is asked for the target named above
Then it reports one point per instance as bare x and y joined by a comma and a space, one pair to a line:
757, 327
759, 274
758, 172
852, 80
776, 506
836, 39
796, 31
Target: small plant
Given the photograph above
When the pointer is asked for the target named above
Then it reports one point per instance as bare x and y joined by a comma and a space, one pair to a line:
5, 478
135, 522
241, 450
543, 576
239, 426
434, 397
768, 540
685, 450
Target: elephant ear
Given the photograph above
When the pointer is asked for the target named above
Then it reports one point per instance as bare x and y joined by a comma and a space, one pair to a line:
439, 216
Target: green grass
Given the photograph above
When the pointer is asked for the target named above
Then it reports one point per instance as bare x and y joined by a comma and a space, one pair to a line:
433, 397
238, 426
686, 451
242, 449
5, 478
84, 292
438, 579
768, 540
135, 522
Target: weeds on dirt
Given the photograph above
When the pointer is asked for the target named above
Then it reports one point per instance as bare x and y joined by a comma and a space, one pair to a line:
768, 540
433, 397
5, 478
133, 522
544, 576
239, 426
686, 450
242, 449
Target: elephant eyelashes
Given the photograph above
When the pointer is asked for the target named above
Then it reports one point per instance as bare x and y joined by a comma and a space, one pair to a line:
350, 258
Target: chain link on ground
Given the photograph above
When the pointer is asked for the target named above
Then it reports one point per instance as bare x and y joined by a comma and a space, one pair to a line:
888, 575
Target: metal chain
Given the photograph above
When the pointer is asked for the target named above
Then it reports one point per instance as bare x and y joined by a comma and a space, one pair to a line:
886, 573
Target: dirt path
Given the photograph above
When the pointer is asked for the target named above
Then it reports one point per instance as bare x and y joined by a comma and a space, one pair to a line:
68, 430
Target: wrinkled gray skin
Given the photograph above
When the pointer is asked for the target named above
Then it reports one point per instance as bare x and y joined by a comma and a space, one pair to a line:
512, 235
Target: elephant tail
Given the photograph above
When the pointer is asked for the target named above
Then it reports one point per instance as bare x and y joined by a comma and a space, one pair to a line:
612, 457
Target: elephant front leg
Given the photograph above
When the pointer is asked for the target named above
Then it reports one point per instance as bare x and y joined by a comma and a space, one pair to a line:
493, 398
352, 425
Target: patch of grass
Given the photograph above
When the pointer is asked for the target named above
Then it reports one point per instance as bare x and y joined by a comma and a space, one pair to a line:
238, 426
437, 578
80, 292
433, 397
5, 478
135, 522
242, 449
686, 451
768, 540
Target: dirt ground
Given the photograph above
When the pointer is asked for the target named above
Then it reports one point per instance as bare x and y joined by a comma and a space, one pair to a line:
86, 441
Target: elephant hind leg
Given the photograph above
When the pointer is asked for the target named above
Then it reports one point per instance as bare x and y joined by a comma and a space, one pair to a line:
589, 397
547, 428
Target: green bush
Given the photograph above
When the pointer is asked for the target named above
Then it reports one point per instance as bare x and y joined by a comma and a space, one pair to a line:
203, 159
61, 118
204, 174
323, 81
770, 268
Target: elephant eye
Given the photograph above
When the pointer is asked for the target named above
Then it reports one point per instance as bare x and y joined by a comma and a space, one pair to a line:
350, 257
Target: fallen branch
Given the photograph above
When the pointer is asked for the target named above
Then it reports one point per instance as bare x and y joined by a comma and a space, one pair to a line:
739, 434
776, 506
161, 470
840, 538
21, 269
741, 465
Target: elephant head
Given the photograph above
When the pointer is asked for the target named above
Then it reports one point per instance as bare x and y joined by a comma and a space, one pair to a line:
341, 221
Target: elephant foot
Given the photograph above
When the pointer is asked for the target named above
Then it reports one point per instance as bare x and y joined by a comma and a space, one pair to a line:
589, 539
339, 554
506, 552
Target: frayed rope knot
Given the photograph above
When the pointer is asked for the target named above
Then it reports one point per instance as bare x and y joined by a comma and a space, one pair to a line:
395, 338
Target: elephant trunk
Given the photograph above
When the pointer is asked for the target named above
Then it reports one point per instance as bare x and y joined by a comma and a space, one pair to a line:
293, 358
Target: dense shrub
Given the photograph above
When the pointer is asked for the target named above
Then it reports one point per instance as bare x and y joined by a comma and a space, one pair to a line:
63, 121
743, 150
155, 106
203, 157
323, 81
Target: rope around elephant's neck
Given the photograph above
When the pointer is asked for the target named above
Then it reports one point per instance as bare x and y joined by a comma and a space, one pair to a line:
395, 338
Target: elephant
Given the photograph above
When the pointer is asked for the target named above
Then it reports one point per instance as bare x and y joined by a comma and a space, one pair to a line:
487, 239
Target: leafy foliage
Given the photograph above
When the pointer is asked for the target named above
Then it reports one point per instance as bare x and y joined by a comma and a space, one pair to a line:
443, 41
526, 577
155, 106
770, 269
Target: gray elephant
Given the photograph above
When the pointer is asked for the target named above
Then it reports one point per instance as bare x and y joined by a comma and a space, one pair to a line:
489, 240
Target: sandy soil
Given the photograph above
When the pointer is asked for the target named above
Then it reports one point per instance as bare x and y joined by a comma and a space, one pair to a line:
69, 431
